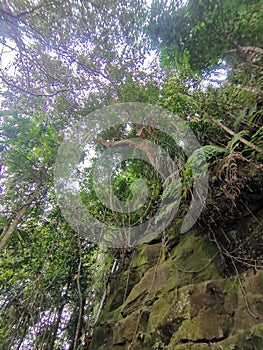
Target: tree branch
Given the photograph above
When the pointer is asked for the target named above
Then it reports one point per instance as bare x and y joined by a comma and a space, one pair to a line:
232, 133
81, 299
31, 93
8, 232
246, 49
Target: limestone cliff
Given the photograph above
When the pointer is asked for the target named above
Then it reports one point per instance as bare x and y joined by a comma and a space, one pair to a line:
174, 294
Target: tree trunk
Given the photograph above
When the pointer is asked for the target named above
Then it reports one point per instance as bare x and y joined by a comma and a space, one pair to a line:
9, 230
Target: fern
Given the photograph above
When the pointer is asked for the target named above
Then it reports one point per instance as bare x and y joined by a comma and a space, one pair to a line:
239, 119
199, 157
235, 139
212, 151
252, 116
257, 137
196, 166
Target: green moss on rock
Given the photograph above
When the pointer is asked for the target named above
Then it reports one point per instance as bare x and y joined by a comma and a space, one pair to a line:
178, 296
145, 257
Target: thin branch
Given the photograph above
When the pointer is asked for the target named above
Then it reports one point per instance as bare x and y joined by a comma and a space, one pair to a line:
246, 49
232, 133
8, 232
8, 12
244, 292
78, 328
13, 85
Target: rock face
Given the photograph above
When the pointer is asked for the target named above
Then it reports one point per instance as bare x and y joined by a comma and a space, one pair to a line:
173, 295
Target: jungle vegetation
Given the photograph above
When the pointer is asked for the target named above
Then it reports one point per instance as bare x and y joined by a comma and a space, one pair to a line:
201, 60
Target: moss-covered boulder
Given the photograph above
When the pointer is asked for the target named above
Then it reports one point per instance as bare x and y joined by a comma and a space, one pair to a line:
174, 296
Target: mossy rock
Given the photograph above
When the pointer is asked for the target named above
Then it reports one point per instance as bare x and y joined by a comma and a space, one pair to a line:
243, 340
193, 260
102, 337
178, 310
119, 288
182, 300
250, 305
190, 346
146, 256
125, 329
200, 314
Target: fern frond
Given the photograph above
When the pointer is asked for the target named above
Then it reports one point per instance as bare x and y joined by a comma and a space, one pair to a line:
199, 158
239, 119
257, 137
205, 153
255, 117
213, 150
235, 139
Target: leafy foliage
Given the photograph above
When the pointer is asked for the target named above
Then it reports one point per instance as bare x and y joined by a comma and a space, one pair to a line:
209, 31
70, 59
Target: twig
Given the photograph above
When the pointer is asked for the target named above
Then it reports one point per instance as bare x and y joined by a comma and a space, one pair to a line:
244, 292
77, 332
229, 131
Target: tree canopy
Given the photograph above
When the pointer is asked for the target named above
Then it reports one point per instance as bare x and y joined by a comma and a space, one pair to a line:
60, 61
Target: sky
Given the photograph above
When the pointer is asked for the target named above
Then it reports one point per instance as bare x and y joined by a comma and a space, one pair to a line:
7, 55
